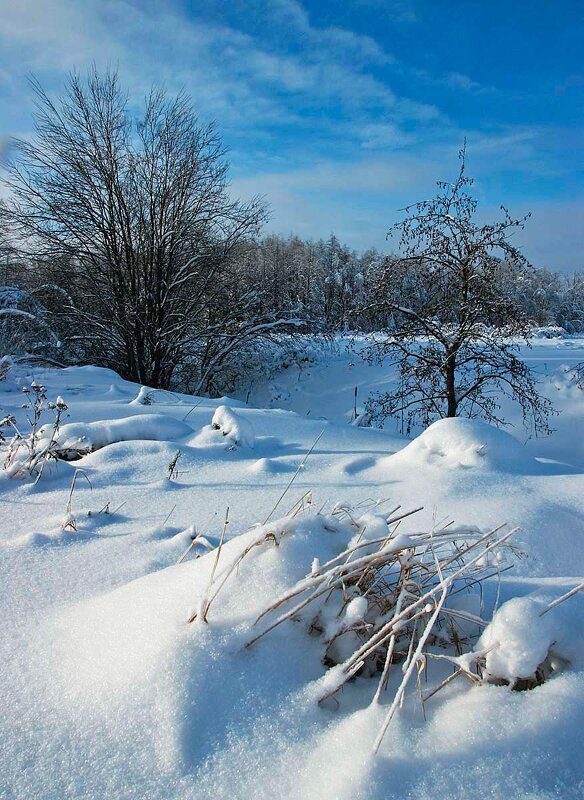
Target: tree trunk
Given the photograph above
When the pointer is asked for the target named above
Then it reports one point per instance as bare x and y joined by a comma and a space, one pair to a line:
450, 385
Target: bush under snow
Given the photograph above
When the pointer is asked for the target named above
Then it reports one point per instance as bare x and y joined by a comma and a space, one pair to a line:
459, 442
239, 431
517, 641
78, 437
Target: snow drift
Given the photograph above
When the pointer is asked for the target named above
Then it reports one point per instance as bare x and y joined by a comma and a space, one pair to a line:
460, 443
107, 691
79, 437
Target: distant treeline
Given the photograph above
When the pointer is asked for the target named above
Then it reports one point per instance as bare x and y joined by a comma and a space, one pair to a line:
333, 286
323, 286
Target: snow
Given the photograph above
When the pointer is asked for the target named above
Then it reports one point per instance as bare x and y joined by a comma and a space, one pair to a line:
356, 610
107, 691
143, 398
518, 639
236, 428
463, 443
372, 526
91, 436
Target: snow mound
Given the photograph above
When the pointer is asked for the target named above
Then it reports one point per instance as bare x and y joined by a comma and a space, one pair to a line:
238, 430
268, 466
143, 398
518, 639
78, 437
462, 443
105, 653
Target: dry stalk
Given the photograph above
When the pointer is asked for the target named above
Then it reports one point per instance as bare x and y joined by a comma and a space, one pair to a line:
206, 602
169, 515
293, 478
69, 521
564, 597
187, 551
412, 665
406, 582
190, 411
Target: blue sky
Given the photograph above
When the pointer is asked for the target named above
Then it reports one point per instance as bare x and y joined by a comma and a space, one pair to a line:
343, 112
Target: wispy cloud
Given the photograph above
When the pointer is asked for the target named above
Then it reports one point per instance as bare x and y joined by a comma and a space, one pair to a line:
459, 81
225, 69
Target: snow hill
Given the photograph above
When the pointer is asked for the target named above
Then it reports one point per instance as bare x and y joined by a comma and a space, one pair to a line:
107, 691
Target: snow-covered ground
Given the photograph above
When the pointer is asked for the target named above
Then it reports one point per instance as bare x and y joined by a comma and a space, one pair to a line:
107, 692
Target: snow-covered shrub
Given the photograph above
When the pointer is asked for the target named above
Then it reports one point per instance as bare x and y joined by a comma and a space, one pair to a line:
262, 359
79, 438
362, 420
469, 444
549, 332
379, 597
376, 598
387, 598
237, 430
143, 398
517, 644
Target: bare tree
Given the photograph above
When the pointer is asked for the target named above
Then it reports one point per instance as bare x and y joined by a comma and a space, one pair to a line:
136, 221
453, 331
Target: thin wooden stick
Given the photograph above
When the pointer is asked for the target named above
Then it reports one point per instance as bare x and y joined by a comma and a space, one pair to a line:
204, 607
77, 472
390, 649
187, 551
441, 685
235, 565
412, 665
192, 409
298, 503
212, 576
561, 599
169, 515
293, 478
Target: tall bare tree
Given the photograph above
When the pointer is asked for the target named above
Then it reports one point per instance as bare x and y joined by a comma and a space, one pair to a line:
135, 219
453, 331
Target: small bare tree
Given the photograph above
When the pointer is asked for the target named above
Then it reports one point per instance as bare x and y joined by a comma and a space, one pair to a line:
451, 332
136, 221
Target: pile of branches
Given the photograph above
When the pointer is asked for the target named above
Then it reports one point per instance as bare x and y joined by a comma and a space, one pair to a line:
388, 601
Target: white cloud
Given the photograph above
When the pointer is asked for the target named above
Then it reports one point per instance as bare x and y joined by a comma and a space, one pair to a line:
342, 41
360, 200
357, 200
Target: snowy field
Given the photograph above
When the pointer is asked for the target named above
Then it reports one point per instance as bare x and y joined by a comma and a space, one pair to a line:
108, 692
